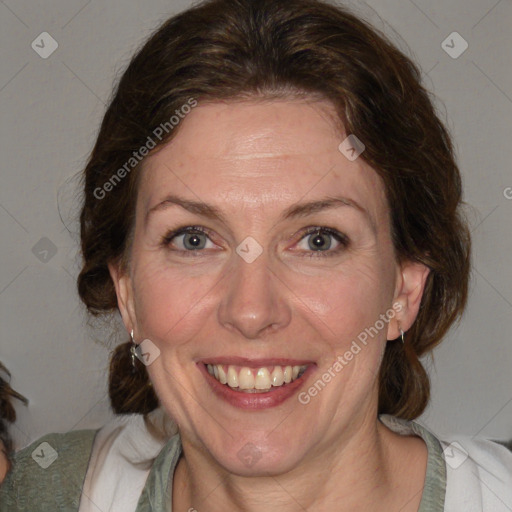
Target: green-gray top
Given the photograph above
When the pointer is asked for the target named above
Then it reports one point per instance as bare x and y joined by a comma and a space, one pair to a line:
32, 488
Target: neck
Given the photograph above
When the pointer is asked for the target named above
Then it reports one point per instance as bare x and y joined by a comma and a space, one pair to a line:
362, 470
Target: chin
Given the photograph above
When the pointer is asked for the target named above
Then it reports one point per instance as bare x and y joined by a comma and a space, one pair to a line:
259, 457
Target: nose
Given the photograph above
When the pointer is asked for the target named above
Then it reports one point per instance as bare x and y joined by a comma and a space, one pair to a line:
254, 299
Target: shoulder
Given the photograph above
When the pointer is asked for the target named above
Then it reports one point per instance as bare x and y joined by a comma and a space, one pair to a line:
475, 475
478, 474
49, 473
123, 456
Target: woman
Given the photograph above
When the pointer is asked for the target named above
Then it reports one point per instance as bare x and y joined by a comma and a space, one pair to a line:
7, 415
273, 207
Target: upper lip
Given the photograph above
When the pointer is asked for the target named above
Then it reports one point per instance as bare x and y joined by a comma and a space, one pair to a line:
255, 363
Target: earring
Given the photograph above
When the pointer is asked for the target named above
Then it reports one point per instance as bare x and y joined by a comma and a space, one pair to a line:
133, 349
402, 335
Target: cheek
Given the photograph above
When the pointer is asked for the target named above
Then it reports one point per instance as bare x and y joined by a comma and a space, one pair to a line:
170, 305
345, 301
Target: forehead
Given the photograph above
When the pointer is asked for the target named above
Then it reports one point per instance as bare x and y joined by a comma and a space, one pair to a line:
257, 154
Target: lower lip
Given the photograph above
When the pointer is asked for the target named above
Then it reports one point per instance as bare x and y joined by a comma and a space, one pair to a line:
255, 401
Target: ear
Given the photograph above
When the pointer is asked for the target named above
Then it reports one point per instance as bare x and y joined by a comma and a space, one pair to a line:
409, 289
125, 296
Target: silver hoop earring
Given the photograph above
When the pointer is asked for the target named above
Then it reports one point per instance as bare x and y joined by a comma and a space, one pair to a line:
402, 335
133, 349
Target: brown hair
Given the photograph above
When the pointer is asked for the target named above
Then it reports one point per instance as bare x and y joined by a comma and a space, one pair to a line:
244, 49
7, 412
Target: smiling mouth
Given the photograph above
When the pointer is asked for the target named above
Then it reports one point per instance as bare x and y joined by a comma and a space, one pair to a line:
255, 380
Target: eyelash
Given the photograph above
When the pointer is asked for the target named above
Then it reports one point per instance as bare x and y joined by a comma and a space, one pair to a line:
339, 237
167, 239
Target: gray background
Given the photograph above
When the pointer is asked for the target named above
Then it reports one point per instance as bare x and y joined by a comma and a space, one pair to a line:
51, 109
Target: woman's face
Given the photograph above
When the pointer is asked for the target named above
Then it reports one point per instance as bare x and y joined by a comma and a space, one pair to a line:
287, 261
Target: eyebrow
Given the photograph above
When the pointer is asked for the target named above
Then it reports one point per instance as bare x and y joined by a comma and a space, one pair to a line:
197, 207
294, 211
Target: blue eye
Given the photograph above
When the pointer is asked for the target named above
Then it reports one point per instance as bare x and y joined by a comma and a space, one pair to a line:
190, 238
317, 241
322, 240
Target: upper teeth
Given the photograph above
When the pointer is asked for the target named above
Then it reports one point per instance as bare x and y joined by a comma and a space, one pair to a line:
264, 378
